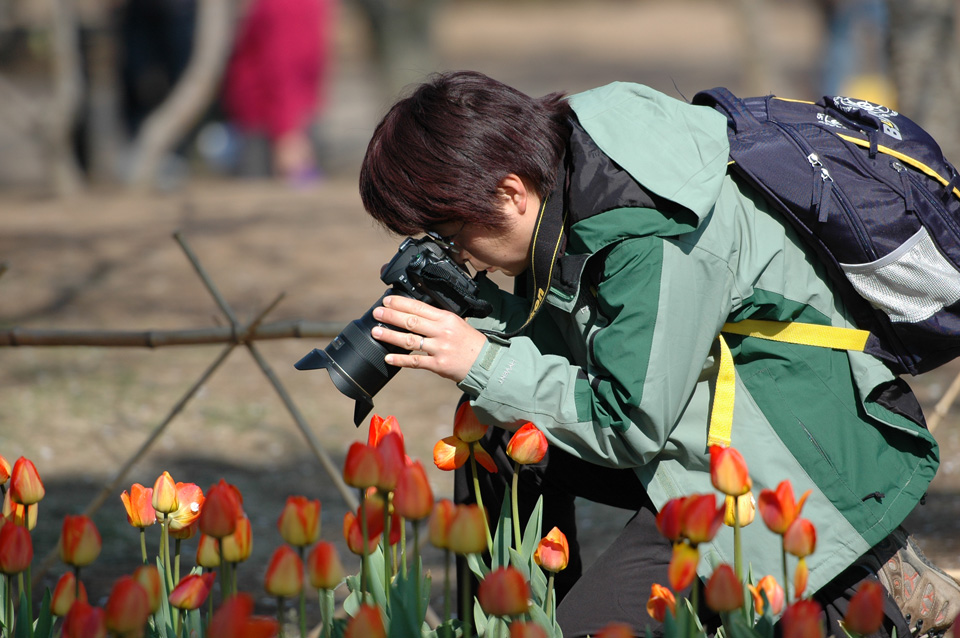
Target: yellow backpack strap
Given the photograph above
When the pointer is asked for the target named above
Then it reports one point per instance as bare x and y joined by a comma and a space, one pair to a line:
804, 334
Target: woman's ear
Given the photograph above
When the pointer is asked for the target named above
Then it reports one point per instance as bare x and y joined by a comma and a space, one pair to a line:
514, 192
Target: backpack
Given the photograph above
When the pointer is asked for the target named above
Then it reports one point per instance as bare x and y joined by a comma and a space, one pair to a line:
870, 191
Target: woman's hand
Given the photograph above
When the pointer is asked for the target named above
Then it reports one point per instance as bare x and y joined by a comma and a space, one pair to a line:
439, 340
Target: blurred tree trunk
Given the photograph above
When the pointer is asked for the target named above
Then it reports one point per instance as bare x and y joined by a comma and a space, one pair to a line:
925, 66
190, 97
64, 174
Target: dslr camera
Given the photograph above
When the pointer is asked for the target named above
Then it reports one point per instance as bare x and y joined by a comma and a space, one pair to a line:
422, 270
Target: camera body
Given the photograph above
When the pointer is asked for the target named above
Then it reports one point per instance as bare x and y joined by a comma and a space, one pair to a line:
421, 269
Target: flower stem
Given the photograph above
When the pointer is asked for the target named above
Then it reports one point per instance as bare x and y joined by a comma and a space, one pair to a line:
416, 567
387, 563
695, 602
9, 605
143, 544
737, 558
786, 581
176, 561
476, 490
548, 602
467, 608
446, 585
327, 605
303, 602
514, 504
364, 547
280, 614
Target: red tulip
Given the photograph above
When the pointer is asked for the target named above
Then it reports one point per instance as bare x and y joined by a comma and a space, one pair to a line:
324, 567
284, 577
526, 629
669, 522
392, 460
413, 498
234, 619
184, 523
468, 531
661, 600
26, 488
800, 539
65, 593
149, 578
728, 471
865, 612
192, 591
439, 525
683, 566
700, 518
553, 551
299, 522
769, 586
527, 445
165, 494
724, 591
4, 470
368, 623
237, 547
353, 534
84, 621
208, 552
450, 453
21, 515
139, 506
778, 508
616, 630
362, 466
380, 427
221, 509
16, 549
504, 592
80, 541
466, 425
803, 619
128, 607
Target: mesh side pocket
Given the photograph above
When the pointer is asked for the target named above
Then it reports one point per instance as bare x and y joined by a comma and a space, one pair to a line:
911, 284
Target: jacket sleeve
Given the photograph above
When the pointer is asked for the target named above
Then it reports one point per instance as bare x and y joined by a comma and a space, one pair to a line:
663, 302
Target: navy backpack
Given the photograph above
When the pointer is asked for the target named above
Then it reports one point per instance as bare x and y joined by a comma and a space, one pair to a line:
871, 192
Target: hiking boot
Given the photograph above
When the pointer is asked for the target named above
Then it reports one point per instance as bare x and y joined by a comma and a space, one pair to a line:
928, 597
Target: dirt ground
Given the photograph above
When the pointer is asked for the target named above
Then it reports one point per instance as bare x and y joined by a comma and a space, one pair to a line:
107, 261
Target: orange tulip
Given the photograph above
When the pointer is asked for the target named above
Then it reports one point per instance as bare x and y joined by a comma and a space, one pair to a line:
234, 619
743, 508
865, 613
221, 509
527, 445
769, 586
237, 547
728, 471
299, 522
553, 552
616, 630
683, 566
208, 552
362, 466
526, 629
4, 470
192, 591
380, 427
661, 600
800, 576
165, 494
724, 591
128, 607
450, 453
139, 506
324, 568
778, 508
353, 534
80, 541
803, 619
84, 621
184, 523
284, 578
669, 522
149, 578
504, 592
466, 425
439, 524
26, 488
16, 549
65, 593
367, 623
800, 539
22, 515
468, 532
413, 498
700, 518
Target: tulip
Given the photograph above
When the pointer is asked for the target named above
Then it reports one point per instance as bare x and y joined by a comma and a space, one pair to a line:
616, 630
234, 619
528, 445
192, 591
80, 541
661, 600
65, 594
865, 612
769, 586
724, 591
380, 427
800, 576
84, 621
165, 494
324, 568
4, 470
299, 522
803, 619
237, 547
16, 549
450, 453
413, 498
743, 508
208, 552
700, 518
669, 523
128, 607
367, 623
683, 566
439, 524
22, 515
526, 629
139, 506
466, 425
800, 538
504, 592
728, 471
26, 488
392, 459
553, 551
221, 509
362, 466
149, 578
284, 577
353, 534
468, 530
184, 522
778, 509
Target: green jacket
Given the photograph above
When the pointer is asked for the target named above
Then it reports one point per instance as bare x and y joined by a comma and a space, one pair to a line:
619, 368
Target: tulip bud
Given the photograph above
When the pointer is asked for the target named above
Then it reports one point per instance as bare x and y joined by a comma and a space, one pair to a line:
299, 522
16, 549
800, 538
84, 621
777, 507
466, 425
803, 619
528, 445
65, 594
221, 509
80, 541
165, 494
4, 470
504, 592
233, 619
380, 427
724, 591
26, 488
669, 523
450, 453
392, 459
526, 629
728, 471
769, 586
742, 507
237, 547
439, 525
128, 607
21, 515
284, 577
800, 576
367, 623
661, 600
324, 567
184, 523
700, 518
413, 498
208, 552
468, 530
353, 534
683, 566
149, 578
139, 506
553, 552
192, 591
361, 468
865, 613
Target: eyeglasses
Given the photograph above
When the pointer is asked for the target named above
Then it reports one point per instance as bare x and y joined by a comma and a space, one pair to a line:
447, 241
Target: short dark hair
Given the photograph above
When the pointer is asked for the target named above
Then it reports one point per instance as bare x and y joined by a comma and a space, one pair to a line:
439, 154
